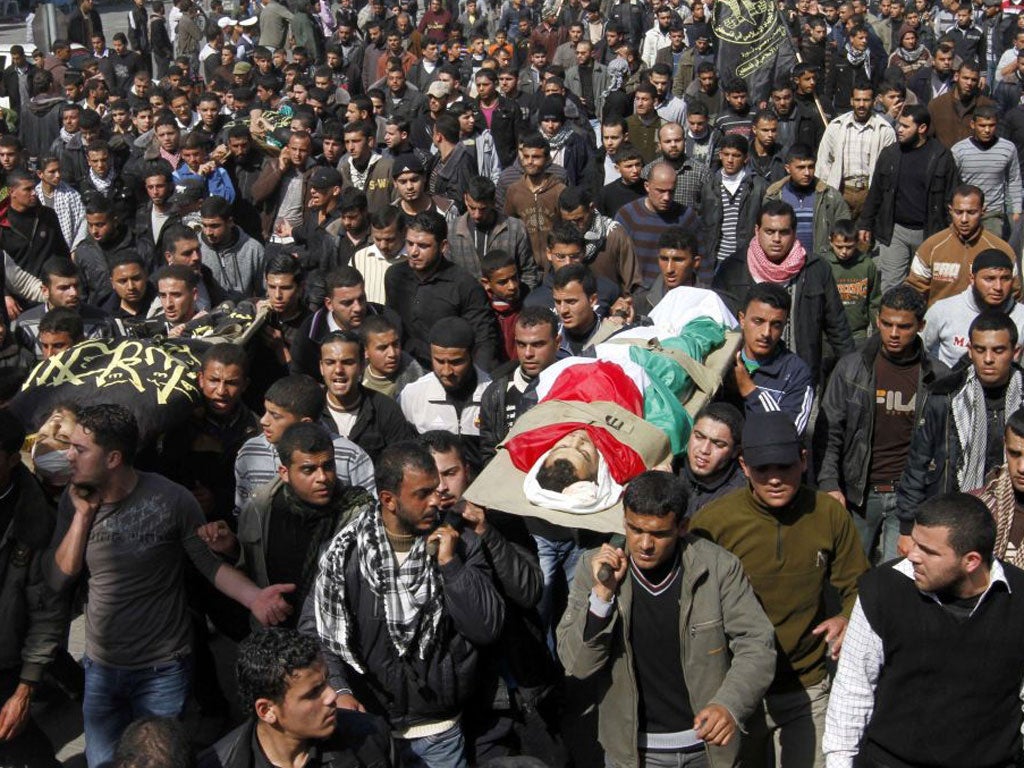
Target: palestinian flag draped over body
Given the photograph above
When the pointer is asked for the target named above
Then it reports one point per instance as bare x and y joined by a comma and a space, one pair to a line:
155, 379
752, 43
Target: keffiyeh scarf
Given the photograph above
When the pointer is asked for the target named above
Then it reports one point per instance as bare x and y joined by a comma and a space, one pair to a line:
67, 204
765, 271
102, 185
856, 58
971, 421
911, 57
411, 592
596, 236
560, 139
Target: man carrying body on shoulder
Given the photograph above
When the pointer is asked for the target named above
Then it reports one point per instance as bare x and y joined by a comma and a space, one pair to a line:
683, 712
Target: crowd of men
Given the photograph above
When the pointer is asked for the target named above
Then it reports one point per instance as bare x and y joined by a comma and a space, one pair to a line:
429, 207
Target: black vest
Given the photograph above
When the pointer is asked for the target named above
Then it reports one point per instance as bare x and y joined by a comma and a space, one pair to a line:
949, 692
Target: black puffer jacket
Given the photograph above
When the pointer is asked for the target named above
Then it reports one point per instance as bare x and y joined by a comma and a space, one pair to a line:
848, 415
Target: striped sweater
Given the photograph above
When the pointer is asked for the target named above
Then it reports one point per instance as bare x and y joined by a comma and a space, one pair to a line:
995, 170
257, 464
645, 226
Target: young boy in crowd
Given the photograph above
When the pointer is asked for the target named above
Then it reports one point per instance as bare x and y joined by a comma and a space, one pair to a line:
501, 283
856, 278
629, 162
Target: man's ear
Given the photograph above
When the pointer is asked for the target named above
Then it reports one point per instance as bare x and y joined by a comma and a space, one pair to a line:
266, 710
743, 465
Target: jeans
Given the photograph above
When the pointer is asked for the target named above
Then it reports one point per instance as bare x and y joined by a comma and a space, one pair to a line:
442, 750
790, 725
556, 558
878, 526
114, 697
893, 260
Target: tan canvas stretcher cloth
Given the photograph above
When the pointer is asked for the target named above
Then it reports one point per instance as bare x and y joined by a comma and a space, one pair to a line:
500, 485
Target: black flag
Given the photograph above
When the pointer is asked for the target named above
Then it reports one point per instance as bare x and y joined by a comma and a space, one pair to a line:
753, 43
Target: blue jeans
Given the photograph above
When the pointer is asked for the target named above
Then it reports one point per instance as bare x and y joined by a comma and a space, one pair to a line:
878, 526
443, 750
114, 697
557, 561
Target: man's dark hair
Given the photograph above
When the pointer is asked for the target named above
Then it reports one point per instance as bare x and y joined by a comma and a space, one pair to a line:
386, 216
971, 525
1015, 423
154, 742
215, 207
342, 277
352, 199
496, 259
63, 320
800, 152
535, 141
575, 273
735, 85
735, 141
656, 494
113, 428
533, 315
775, 296
226, 354
481, 189
447, 125
574, 197
776, 208
679, 239
994, 320
177, 272
267, 659
442, 441
58, 266
378, 324
845, 228
344, 337
98, 205
985, 112
432, 223
918, 113
566, 233
724, 413
304, 437
396, 458
557, 475
903, 298
175, 233
963, 190
299, 395
284, 264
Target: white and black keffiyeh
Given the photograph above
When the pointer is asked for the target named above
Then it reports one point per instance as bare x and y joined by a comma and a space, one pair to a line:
970, 417
70, 210
412, 595
596, 236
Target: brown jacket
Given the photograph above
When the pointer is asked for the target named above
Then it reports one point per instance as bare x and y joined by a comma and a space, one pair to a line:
942, 265
537, 210
951, 120
380, 188
266, 191
617, 261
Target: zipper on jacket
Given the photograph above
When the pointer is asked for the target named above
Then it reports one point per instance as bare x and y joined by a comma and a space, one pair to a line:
778, 540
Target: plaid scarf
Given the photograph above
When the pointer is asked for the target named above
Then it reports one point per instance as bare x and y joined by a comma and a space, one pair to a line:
411, 592
970, 418
999, 497
763, 270
67, 204
596, 236
856, 58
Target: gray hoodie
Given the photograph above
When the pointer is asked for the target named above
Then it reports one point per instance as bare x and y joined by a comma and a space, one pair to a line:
236, 266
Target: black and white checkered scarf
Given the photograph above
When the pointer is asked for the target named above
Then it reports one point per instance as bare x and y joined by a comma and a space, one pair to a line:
411, 593
970, 417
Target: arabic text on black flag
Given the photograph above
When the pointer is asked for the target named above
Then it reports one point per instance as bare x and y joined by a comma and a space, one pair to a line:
752, 43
